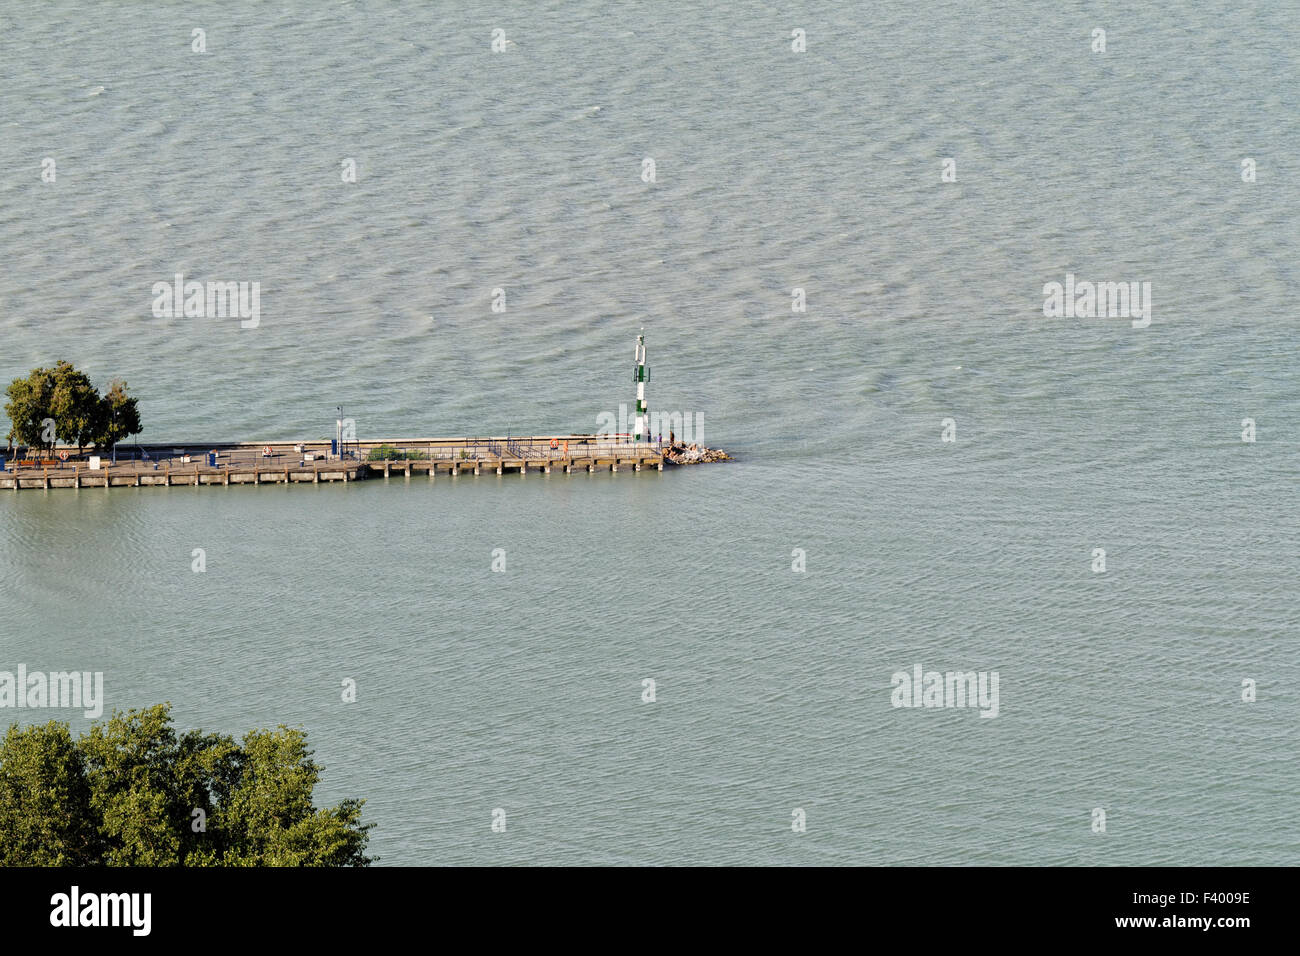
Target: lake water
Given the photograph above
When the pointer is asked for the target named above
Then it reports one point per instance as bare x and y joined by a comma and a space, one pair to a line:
522, 170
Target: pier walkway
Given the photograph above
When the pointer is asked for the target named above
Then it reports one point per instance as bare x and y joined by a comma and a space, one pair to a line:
315, 462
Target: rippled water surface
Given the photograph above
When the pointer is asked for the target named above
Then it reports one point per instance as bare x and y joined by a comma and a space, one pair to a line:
521, 170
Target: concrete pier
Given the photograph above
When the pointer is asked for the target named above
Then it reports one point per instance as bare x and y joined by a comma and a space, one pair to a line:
286, 463
451, 457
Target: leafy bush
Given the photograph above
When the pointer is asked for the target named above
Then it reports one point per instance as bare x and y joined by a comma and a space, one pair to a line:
389, 453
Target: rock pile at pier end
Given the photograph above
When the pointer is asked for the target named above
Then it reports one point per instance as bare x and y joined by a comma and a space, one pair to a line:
683, 454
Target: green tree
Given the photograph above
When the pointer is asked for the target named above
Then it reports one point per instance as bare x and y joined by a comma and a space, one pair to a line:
132, 792
269, 809
45, 813
65, 396
119, 417
30, 405
75, 406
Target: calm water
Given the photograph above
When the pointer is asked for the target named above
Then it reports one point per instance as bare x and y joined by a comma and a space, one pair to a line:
521, 170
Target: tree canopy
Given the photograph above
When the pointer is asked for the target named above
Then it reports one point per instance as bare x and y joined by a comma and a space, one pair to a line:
133, 792
121, 416
75, 406
30, 401
65, 396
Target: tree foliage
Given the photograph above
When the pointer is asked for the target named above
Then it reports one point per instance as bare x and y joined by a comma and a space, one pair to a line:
80, 414
126, 794
30, 401
120, 418
75, 406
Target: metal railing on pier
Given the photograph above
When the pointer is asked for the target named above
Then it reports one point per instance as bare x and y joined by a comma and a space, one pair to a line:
524, 449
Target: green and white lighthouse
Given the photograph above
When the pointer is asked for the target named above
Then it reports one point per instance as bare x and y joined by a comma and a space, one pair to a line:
642, 375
